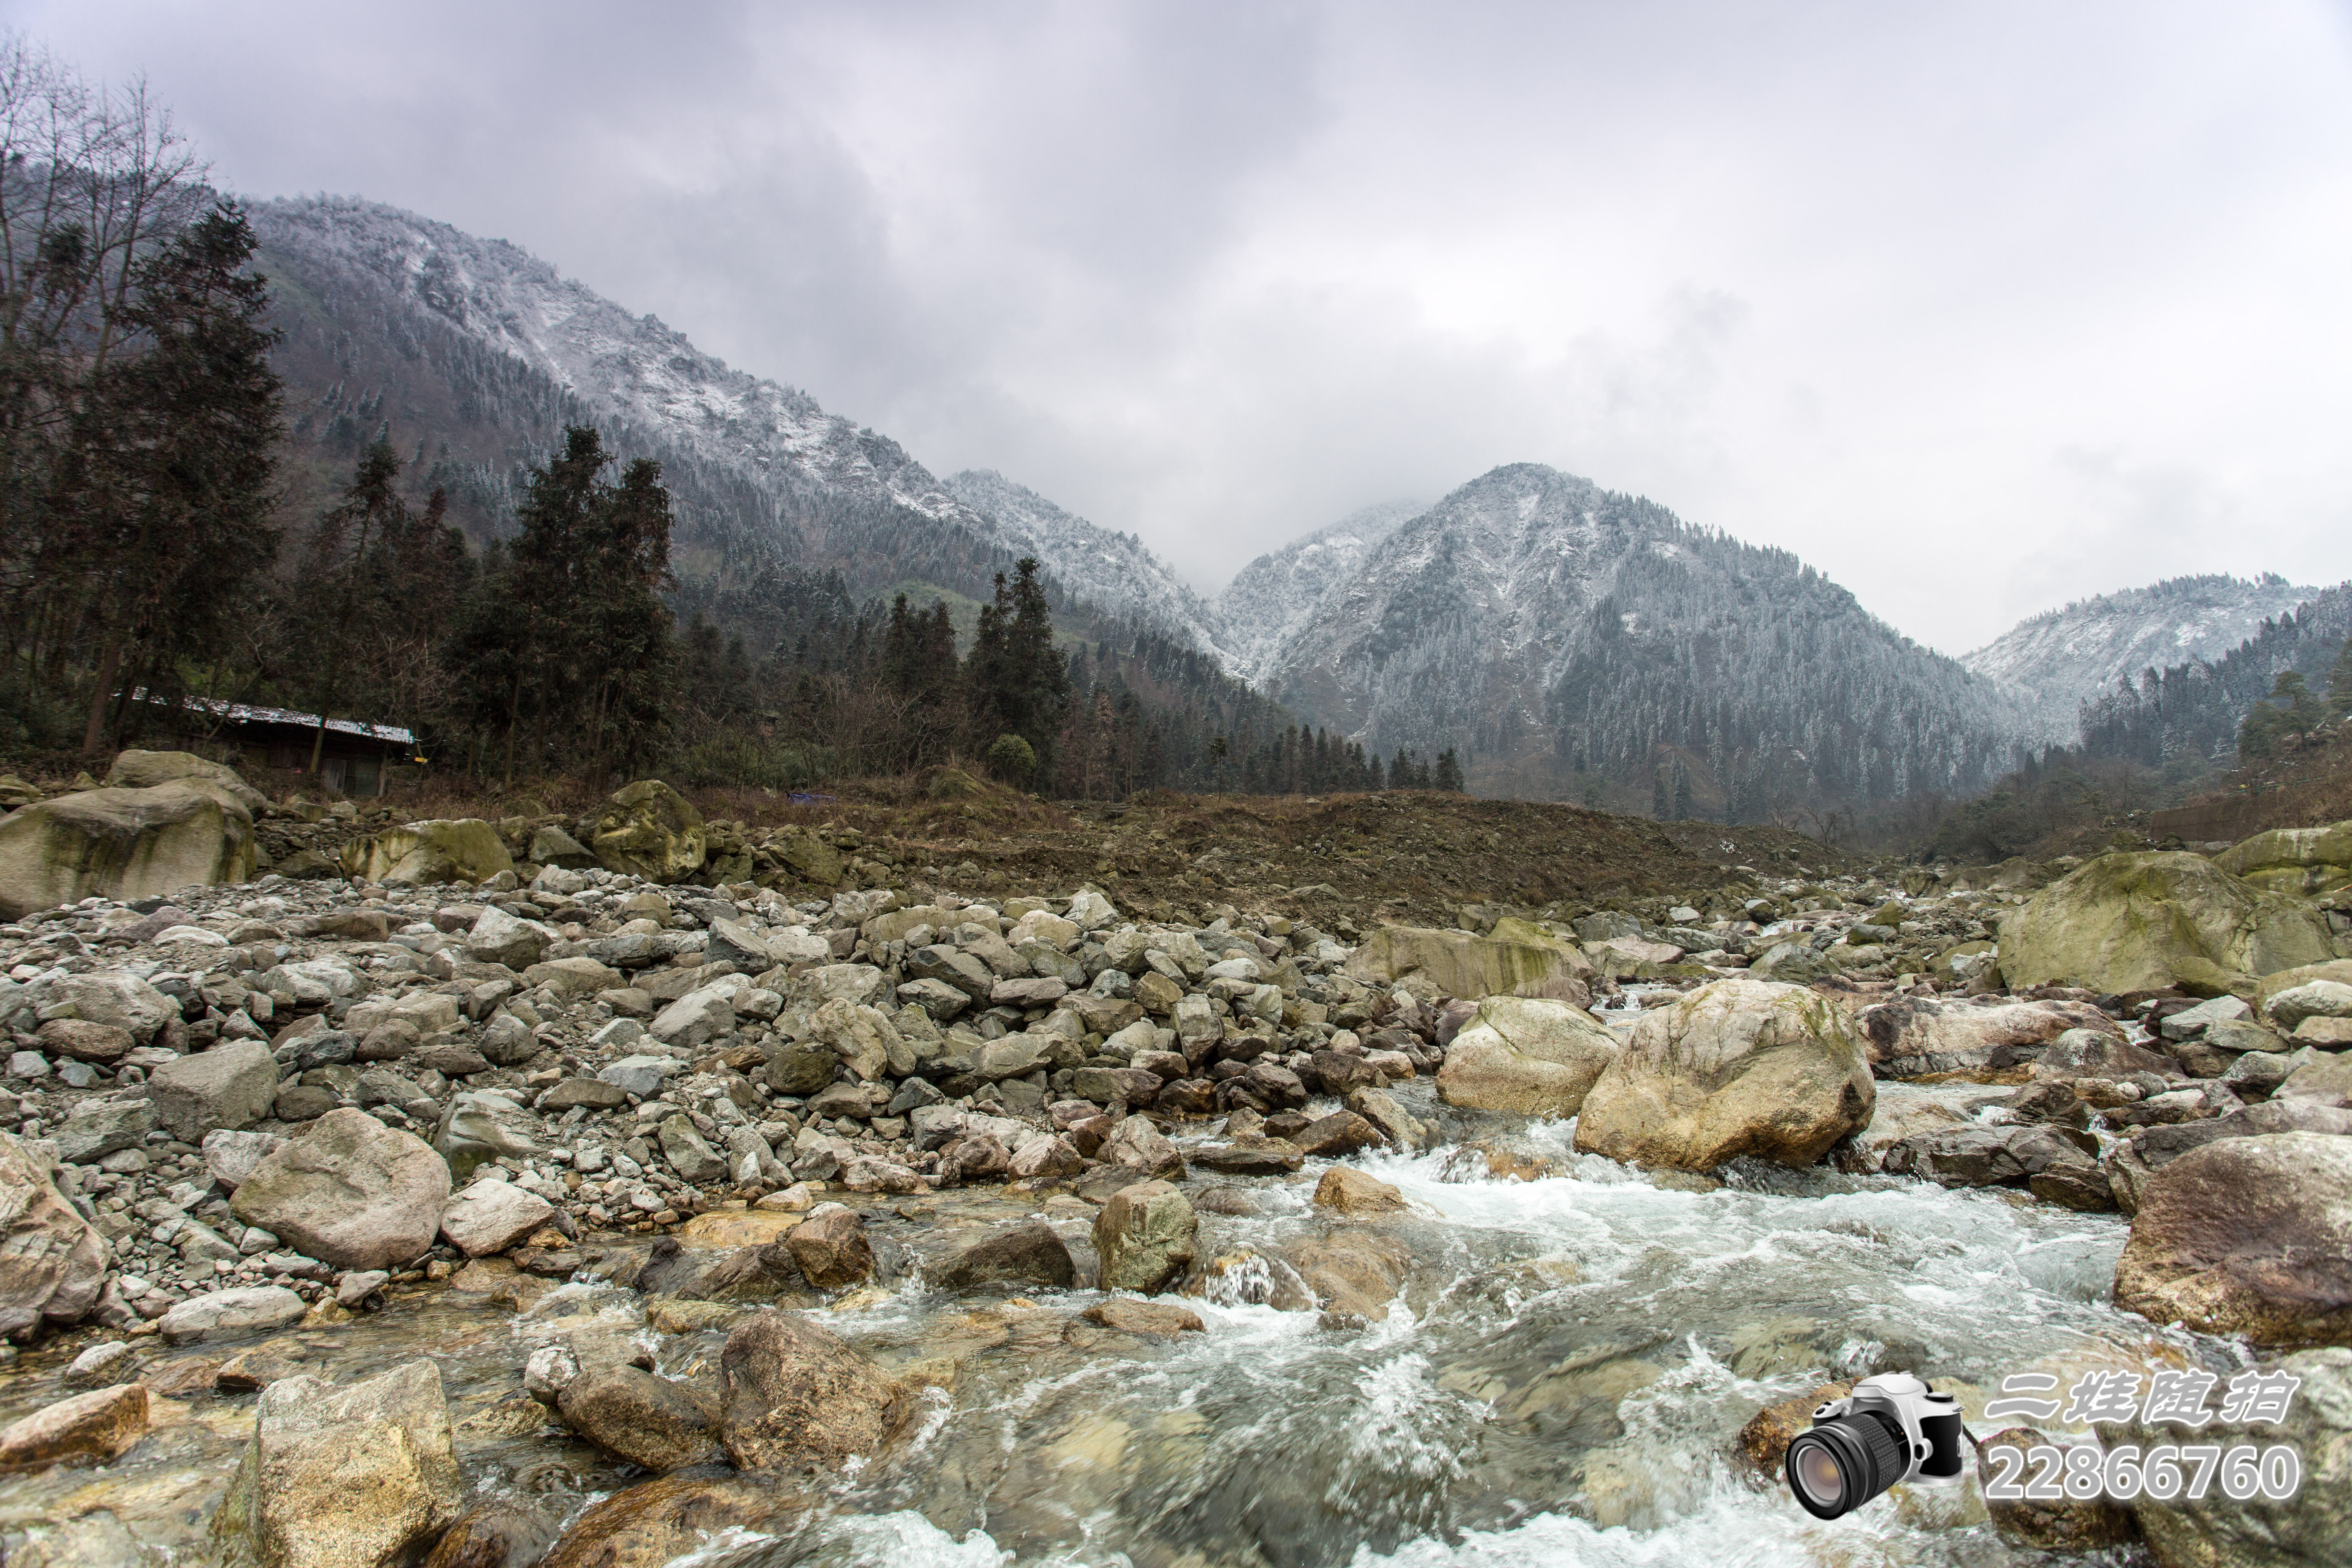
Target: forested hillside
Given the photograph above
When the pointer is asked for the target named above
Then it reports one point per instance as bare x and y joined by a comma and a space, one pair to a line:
1578, 644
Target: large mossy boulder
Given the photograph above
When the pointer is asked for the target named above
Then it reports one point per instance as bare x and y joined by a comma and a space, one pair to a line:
123, 844
1524, 962
648, 829
145, 770
2304, 860
1532, 1056
1739, 1067
2154, 922
420, 854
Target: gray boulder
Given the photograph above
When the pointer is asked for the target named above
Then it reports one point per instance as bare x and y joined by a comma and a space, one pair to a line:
231, 1086
53, 1262
349, 1191
1144, 1237
362, 1477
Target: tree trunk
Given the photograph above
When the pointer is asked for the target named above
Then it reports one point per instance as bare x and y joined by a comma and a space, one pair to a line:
109, 666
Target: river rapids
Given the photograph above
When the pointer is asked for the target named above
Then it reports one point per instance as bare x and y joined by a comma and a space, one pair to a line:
1559, 1380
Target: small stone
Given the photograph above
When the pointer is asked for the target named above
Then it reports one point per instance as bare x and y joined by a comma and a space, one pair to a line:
1129, 1316
99, 1362
1347, 1191
231, 1311
491, 1215
355, 1287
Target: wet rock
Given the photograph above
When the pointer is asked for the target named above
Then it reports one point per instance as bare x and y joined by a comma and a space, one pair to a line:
1159, 1319
831, 1248
53, 1262
2093, 1053
350, 1192
1024, 1254
1354, 1273
355, 1286
1347, 1191
2154, 922
1341, 1134
498, 1534
647, 829
866, 1174
2067, 1524
102, 1363
240, 1310
1529, 1057
1764, 1440
87, 1429
657, 1422
669, 1520
1911, 1037
1139, 1146
1250, 1156
1144, 1237
2247, 1235
344, 1477
491, 1215
232, 1085
2312, 1528
2003, 1156
1737, 1066
795, 1399
1397, 1125
1043, 1158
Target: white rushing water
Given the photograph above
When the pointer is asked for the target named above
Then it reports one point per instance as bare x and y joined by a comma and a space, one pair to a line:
1560, 1382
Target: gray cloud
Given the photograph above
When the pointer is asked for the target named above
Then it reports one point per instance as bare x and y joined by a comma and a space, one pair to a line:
1979, 309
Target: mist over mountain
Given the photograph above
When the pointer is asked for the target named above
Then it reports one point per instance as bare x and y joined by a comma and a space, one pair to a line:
471, 353
1573, 642
2066, 657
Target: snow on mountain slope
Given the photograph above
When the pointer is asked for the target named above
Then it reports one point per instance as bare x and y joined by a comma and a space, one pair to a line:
1553, 627
2062, 658
1113, 571
775, 441
1280, 590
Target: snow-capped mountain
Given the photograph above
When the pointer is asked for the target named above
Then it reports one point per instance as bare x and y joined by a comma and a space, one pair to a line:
1112, 572
758, 467
1280, 590
2064, 658
1555, 628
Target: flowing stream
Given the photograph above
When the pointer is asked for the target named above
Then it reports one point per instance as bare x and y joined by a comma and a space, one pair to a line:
1559, 1380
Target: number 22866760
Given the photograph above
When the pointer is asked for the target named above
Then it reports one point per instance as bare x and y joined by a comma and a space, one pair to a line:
2082, 1472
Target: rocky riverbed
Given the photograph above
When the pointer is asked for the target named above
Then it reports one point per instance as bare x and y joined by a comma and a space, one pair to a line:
573, 1215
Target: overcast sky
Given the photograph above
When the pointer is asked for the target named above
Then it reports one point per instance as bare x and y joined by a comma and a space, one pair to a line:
1979, 307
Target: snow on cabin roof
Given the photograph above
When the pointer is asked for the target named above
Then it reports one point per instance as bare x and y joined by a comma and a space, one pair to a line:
245, 713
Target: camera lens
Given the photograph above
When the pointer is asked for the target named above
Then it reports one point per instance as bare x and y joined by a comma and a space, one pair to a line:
1816, 1474
1838, 1465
